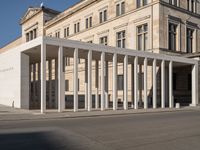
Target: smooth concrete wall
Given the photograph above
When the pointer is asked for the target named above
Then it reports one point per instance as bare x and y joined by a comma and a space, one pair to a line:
10, 78
24, 81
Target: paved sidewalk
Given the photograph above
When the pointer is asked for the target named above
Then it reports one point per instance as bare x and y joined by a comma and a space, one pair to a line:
12, 114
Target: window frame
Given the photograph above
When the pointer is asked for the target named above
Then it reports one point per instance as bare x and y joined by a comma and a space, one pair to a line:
120, 8
120, 82
177, 22
77, 27
172, 2
88, 22
141, 3
103, 15
104, 39
144, 46
122, 39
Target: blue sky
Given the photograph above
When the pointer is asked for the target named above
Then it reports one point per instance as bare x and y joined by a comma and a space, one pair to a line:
12, 10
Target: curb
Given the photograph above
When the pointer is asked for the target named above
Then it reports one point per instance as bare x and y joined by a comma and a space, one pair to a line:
96, 115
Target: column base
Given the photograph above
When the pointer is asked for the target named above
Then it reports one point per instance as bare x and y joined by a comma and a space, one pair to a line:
192, 105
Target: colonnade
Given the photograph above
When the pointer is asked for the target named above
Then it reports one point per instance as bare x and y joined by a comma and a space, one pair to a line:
103, 80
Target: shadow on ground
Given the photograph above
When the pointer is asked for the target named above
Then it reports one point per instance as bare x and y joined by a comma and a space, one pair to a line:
52, 140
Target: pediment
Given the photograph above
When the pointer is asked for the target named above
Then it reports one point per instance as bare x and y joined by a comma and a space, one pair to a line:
29, 13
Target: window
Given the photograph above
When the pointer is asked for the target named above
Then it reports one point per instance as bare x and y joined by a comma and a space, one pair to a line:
27, 37
90, 41
67, 61
31, 35
121, 39
88, 22
189, 40
66, 85
172, 36
58, 34
142, 37
120, 82
174, 2
103, 16
192, 5
104, 40
35, 33
120, 8
77, 27
66, 32
141, 3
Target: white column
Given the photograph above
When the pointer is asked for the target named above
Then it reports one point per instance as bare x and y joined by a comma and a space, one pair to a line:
97, 85
195, 85
34, 82
50, 83
43, 78
163, 84
126, 82
39, 80
132, 85
115, 81
75, 79
89, 80
106, 86
56, 82
136, 82
171, 103
145, 84
61, 81
154, 85
86, 84
102, 80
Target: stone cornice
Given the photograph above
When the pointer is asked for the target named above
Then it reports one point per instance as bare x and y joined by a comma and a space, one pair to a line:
180, 9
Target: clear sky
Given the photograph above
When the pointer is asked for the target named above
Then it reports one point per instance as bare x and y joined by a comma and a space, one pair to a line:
12, 10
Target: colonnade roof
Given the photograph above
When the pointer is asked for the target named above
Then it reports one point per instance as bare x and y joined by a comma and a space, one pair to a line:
32, 49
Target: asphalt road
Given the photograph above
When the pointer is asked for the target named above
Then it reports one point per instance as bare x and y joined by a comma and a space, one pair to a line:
158, 131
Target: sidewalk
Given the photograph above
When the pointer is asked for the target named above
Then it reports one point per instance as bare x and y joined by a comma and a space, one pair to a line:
12, 114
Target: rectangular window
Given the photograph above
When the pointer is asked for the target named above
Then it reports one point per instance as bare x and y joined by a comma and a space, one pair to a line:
174, 2
192, 5
66, 32
90, 42
142, 37
88, 22
141, 3
31, 35
27, 37
77, 27
120, 82
35, 33
121, 39
104, 40
103, 16
58, 34
172, 36
66, 85
120, 8
67, 62
189, 40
